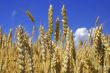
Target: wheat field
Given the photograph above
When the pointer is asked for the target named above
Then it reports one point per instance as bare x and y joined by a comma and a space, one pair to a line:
58, 55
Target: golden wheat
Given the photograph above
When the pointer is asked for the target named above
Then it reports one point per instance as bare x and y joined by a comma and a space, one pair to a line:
58, 55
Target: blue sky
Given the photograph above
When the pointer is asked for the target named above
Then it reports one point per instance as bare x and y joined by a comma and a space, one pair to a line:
81, 13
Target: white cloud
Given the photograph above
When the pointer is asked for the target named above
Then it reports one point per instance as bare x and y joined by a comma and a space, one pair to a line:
81, 34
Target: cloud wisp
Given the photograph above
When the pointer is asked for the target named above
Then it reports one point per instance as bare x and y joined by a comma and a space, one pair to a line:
13, 14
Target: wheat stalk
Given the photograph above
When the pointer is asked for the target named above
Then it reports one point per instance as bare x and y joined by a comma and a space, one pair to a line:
50, 20
57, 30
0, 36
21, 50
64, 21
